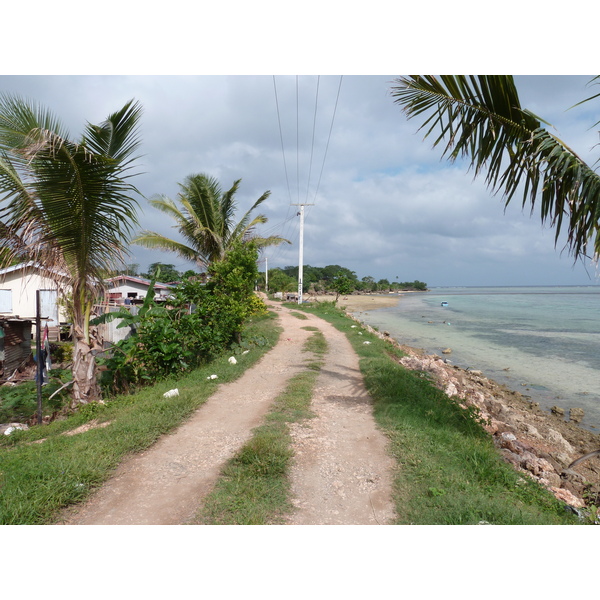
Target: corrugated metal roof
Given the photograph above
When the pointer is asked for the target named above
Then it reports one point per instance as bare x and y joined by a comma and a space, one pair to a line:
31, 264
138, 280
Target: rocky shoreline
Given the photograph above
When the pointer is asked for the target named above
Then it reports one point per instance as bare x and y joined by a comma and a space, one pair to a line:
539, 444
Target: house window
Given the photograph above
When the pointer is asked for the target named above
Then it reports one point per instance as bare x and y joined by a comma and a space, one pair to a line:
6, 301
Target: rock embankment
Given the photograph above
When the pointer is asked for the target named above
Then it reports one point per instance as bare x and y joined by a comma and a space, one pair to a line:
540, 444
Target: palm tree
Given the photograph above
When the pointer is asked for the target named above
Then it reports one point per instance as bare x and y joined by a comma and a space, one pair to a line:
481, 117
205, 219
70, 204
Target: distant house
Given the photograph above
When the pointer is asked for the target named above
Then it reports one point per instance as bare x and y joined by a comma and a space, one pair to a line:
18, 287
126, 289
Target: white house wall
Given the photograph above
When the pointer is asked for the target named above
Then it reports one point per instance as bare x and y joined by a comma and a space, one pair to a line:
134, 288
23, 296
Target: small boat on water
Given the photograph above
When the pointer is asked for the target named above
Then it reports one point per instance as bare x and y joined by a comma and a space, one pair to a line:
444, 303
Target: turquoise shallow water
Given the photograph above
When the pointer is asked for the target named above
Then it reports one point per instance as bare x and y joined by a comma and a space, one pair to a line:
541, 341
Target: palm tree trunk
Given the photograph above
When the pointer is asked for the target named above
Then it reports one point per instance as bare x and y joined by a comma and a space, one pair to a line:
85, 370
85, 375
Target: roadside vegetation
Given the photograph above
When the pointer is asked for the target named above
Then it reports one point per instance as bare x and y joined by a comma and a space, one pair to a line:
200, 321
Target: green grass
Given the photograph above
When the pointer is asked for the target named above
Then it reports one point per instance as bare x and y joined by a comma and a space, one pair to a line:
38, 480
254, 487
449, 470
299, 315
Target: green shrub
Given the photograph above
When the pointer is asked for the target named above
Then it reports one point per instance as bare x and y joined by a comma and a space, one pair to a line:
201, 322
61, 352
18, 403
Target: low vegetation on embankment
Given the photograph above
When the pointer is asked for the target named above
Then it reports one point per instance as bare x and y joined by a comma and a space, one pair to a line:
38, 479
449, 472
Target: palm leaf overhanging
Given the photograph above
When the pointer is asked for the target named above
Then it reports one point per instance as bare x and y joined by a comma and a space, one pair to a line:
481, 117
205, 218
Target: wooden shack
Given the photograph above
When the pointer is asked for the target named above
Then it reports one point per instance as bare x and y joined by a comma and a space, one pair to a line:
15, 344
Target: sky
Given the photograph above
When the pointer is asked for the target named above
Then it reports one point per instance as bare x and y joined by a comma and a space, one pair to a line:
312, 120
379, 199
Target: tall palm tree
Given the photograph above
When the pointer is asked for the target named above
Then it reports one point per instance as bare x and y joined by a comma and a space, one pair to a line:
481, 117
71, 205
204, 216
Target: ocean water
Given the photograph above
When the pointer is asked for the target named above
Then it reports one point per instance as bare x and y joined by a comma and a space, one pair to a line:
543, 342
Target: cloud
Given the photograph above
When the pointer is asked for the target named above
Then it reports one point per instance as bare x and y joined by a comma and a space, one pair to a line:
384, 203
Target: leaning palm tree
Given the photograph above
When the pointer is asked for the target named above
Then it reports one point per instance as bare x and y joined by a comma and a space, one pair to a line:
205, 218
70, 204
481, 117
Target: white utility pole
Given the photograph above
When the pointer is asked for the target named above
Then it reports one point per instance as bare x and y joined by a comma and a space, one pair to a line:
266, 274
301, 256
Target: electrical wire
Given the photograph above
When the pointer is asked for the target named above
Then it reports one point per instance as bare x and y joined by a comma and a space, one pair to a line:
281, 138
292, 220
312, 145
328, 138
297, 141
287, 218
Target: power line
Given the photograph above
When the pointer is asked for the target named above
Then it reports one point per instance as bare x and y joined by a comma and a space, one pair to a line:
312, 145
297, 141
281, 138
328, 138
297, 93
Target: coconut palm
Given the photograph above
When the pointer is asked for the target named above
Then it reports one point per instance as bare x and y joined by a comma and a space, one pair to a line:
481, 117
204, 216
70, 203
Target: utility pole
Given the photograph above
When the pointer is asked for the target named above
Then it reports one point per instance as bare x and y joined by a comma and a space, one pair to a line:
266, 274
38, 355
301, 257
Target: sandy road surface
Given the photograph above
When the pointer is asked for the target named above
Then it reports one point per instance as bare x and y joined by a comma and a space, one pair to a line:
341, 472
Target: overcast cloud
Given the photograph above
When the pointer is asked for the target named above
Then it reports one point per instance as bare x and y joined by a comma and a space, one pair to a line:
386, 205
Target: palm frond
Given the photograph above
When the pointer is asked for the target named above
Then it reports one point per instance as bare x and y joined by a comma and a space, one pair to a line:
227, 207
273, 240
481, 118
118, 136
205, 217
156, 241
19, 117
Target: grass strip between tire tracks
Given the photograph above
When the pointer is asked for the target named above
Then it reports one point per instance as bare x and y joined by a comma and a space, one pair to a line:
254, 486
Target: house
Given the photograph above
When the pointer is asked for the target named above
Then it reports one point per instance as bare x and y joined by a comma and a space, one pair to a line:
18, 287
126, 289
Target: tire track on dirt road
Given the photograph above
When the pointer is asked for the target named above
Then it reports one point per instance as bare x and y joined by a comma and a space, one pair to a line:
341, 472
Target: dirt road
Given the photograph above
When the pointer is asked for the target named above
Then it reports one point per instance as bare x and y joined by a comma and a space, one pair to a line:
341, 472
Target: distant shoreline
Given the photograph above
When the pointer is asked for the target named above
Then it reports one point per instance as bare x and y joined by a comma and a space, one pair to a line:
354, 303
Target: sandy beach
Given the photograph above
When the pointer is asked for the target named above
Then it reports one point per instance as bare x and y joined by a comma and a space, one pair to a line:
362, 302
